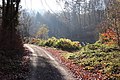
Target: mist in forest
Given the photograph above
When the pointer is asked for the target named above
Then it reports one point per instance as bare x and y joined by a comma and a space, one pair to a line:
76, 21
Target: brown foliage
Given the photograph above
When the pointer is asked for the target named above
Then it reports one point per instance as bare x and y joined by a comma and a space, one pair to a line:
112, 20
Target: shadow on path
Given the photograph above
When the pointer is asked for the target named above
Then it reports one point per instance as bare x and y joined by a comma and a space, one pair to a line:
44, 70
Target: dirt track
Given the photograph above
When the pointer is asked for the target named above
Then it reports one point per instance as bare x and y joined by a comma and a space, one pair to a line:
44, 67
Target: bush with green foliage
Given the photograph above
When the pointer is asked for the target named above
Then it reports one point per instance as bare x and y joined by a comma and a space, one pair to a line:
67, 44
41, 42
100, 57
51, 42
62, 43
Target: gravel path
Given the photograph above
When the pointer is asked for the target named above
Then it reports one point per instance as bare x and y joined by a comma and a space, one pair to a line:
44, 67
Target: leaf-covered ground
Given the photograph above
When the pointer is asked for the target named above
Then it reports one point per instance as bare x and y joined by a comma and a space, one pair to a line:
91, 62
14, 68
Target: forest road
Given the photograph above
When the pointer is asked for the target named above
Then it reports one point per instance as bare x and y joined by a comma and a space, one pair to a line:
43, 66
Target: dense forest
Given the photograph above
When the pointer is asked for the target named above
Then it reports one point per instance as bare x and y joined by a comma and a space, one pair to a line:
78, 21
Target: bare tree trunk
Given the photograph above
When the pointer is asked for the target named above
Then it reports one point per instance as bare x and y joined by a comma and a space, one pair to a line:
9, 37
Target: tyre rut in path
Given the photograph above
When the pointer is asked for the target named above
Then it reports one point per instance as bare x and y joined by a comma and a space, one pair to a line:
44, 67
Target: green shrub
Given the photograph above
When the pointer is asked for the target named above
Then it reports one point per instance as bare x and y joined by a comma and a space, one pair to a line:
62, 43
98, 56
41, 43
66, 44
50, 42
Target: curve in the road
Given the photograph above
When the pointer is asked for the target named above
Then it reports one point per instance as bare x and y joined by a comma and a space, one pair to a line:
44, 67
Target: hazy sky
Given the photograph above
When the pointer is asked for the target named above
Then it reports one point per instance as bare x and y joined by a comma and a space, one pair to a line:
43, 5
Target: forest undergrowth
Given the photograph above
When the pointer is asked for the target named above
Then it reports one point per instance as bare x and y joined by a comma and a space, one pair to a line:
92, 61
